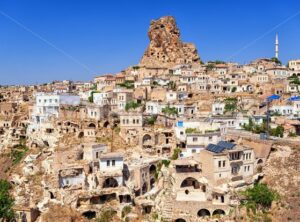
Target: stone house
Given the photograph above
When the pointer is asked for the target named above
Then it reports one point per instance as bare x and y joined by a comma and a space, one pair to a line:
227, 162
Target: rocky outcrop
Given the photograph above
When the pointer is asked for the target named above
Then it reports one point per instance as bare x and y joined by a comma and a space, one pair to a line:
166, 48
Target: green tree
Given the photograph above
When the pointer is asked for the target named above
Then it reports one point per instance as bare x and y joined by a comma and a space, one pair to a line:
230, 104
278, 131
259, 197
91, 97
128, 84
132, 105
276, 60
170, 111
172, 85
151, 120
176, 154
6, 201
210, 66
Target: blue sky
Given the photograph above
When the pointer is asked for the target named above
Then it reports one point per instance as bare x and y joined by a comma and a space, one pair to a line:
108, 36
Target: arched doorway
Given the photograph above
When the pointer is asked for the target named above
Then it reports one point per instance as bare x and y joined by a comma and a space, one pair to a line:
89, 214
92, 125
203, 213
219, 212
106, 124
180, 220
110, 182
260, 161
152, 169
80, 135
146, 138
190, 182
144, 188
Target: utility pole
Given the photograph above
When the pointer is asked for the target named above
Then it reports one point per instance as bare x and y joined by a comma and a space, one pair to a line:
268, 118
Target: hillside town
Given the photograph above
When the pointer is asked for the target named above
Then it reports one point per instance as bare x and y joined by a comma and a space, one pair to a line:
170, 139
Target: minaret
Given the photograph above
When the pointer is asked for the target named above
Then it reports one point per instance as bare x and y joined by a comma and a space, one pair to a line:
276, 46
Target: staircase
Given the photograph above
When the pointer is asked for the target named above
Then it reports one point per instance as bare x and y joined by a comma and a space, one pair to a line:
168, 198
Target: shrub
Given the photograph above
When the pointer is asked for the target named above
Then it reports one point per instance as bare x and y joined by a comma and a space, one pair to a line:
128, 84
18, 153
291, 134
170, 111
132, 105
166, 163
151, 120
230, 104
259, 197
278, 131
126, 210
91, 97
176, 153
6, 201
276, 60
107, 215
210, 66
191, 130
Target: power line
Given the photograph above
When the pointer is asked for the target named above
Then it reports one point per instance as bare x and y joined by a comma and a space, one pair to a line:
47, 42
263, 35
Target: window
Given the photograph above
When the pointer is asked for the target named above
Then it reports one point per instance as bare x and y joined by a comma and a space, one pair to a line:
224, 163
113, 162
137, 121
108, 163
97, 154
133, 121
220, 163
195, 139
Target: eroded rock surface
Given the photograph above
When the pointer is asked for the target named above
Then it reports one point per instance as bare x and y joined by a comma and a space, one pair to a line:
166, 48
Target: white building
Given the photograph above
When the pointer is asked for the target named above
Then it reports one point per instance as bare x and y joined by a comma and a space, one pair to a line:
102, 98
285, 110
171, 96
218, 108
111, 162
48, 105
153, 107
200, 126
279, 72
92, 152
294, 65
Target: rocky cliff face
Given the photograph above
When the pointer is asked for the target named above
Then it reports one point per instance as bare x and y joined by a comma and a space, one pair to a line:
166, 48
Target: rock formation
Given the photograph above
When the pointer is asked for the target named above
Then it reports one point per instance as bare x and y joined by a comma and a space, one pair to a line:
166, 48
